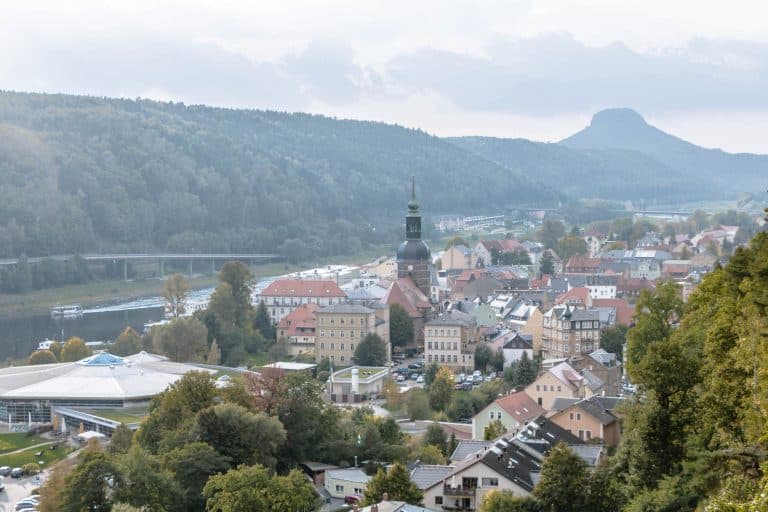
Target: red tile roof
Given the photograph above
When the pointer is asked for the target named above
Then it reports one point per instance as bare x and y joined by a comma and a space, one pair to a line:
624, 312
300, 318
302, 288
520, 406
580, 294
405, 293
577, 263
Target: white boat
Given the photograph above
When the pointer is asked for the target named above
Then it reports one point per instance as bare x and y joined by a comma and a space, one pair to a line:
69, 311
45, 344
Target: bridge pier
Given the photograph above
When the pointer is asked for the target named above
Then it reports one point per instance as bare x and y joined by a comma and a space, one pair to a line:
162, 268
190, 269
125, 270
213, 267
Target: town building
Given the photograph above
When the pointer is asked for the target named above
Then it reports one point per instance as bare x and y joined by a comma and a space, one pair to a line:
589, 420
356, 384
560, 380
514, 411
450, 339
602, 286
298, 328
458, 257
346, 482
568, 331
284, 295
341, 327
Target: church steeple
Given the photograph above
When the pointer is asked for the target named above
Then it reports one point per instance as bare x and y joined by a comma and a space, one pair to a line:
413, 219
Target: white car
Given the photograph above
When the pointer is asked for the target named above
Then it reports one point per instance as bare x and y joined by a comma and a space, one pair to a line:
420, 380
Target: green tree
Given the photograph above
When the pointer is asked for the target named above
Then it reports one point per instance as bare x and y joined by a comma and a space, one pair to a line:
251, 489
506, 501
563, 482
494, 430
214, 354
435, 436
121, 439
547, 264
613, 339
263, 322
483, 356
372, 351
429, 454
430, 374
144, 483
175, 292
240, 435
417, 405
41, 357
550, 232
182, 340
74, 349
400, 326
396, 483
237, 276
55, 349
85, 487
192, 465
571, 246
128, 343
441, 390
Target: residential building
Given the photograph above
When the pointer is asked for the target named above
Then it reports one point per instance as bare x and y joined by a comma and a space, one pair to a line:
579, 264
514, 411
515, 346
458, 257
356, 384
346, 482
589, 420
676, 269
284, 295
568, 331
561, 380
602, 286
298, 327
450, 339
385, 268
503, 466
341, 327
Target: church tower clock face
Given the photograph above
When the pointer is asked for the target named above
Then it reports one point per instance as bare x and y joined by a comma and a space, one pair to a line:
410, 268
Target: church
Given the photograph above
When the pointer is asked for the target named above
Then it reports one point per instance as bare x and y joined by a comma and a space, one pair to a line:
411, 289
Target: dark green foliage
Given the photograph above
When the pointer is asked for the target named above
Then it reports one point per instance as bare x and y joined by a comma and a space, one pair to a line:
128, 343
86, 488
83, 173
263, 323
371, 351
613, 338
506, 501
547, 264
191, 466
483, 356
550, 232
42, 357
435, 436
396, 483
509, 258
144, 483
522, 372
400, 326
563, 482
121, 439
430, 374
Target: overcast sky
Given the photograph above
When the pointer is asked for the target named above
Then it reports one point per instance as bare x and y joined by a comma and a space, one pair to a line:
533, 69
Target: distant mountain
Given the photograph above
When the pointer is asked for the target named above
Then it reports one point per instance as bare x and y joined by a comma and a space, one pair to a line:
94, 174
625, 129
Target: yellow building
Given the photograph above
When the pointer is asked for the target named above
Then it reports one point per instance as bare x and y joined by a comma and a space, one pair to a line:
449, 340
339, 329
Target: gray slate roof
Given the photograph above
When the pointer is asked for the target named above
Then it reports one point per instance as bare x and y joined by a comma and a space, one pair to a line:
424, 475
467, 447
346, 309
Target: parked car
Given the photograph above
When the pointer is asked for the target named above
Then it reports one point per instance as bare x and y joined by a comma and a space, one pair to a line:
352, 499
5, 470
420, 380
477, 373
414, 366
17, 473
414, 376
462, 377
400, 377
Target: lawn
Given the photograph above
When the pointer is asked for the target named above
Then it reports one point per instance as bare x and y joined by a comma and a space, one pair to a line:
17, 441
47, 455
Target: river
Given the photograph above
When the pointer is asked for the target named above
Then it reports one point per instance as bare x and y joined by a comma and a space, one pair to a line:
20, 335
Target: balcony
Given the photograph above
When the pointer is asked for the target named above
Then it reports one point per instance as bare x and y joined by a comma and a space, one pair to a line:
469, 492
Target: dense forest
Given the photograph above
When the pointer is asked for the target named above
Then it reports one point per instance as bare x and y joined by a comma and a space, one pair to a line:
89, 174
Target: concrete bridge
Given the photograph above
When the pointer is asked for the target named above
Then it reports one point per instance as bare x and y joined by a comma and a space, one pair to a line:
160, 258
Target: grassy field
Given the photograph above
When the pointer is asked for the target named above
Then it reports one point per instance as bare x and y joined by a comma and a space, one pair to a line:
47, 456
16, 441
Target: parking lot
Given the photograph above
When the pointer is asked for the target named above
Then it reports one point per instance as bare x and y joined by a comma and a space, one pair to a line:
17, 489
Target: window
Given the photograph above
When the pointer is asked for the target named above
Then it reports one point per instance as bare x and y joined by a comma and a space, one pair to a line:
322, 346
442, 332
455, 359
442, 358
352, 346
322, 333
578, 416
332, 334
570, 416
559, 388
339, 488
359, 491
333, 347
544, 387
438, 500
429, 332
341, 320
578, 345
566, 347
332, 320
342, 358
429, 345
442, 345
454, 332
362, 334
566, 336
341, 333
429, 358
589, 434
455, 345
361, 322
490, 482
491, 415
581, 434
537, 387
341, 346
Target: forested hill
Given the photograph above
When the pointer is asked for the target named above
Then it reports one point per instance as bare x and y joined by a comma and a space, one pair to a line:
87, 174
620, 156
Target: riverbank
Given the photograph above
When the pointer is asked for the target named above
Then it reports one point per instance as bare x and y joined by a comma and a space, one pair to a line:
97, 293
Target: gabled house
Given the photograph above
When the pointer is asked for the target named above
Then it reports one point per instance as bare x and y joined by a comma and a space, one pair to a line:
578, 264
515, 345
458, 257
602, 286
569, 331
588, 419
449, 340
405, 293
284, 295
561, 380
513, 411
298, 327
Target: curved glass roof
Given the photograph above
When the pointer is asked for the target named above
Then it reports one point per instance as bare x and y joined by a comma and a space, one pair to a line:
102, 359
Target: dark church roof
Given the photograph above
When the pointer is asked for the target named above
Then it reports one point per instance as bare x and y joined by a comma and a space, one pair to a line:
413, 250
